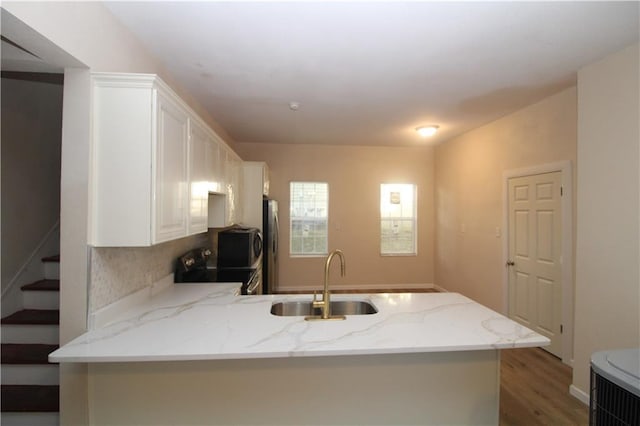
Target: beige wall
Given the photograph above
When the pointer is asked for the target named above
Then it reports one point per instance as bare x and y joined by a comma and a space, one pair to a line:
469, 190
607, 311
354, 174
31, 134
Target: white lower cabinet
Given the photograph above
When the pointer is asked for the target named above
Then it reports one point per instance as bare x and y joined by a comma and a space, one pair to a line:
153, 163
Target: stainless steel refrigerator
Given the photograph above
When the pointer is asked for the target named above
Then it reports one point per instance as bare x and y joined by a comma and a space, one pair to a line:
270, 248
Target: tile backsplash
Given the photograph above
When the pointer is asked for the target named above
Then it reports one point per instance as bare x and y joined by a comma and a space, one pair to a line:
119, 271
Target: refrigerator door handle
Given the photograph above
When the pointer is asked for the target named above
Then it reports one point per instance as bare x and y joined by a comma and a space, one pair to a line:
275, 236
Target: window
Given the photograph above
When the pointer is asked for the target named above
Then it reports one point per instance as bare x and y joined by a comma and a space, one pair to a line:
398, 219
309, 205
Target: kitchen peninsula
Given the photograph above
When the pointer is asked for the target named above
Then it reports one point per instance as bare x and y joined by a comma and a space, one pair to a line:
202, 354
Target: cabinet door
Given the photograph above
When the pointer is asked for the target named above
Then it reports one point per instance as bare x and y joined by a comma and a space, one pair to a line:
171, 180
265, 180
121, 179
239, 188
200, 177
253, 190
214, 166
219, 163
234, 184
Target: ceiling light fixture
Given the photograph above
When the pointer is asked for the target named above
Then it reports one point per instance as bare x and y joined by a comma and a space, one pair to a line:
294, 106
427, 131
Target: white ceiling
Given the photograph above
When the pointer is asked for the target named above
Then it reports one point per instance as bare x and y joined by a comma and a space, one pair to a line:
368, 73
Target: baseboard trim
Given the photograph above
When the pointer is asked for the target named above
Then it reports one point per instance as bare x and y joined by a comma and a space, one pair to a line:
440, 289
347, 287
579, 394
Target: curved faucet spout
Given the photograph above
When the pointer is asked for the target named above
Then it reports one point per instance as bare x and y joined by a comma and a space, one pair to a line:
326, 295
325, 303
328, 264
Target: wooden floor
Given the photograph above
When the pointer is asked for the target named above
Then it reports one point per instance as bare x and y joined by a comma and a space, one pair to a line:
534, 390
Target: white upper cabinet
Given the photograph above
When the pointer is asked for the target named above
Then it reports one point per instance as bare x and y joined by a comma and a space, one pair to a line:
234, 188
255, 187
153, 163
201, 163
224, 205
171, 178
215, 166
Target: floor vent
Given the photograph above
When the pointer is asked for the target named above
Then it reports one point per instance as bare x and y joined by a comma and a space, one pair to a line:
615, 388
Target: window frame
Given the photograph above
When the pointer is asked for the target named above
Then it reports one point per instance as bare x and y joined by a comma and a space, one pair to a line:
292, 218
413, 219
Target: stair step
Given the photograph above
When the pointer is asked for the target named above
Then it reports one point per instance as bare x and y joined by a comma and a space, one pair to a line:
41, 300
33, 317
17, 353
43, 294
30, 374
28, 364
42, 285
31, 326
51, 268
32, 398
30, 419
38, 333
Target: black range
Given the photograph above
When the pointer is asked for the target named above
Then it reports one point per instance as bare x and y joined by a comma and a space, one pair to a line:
193, 267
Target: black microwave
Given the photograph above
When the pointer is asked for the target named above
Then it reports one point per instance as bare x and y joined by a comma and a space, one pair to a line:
239, 247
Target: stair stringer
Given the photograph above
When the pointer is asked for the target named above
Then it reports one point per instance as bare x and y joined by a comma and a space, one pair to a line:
31, 270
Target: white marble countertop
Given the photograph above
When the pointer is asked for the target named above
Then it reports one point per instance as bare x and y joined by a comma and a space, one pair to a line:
211, 321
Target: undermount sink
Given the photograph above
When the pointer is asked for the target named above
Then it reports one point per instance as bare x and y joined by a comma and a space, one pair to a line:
338, 307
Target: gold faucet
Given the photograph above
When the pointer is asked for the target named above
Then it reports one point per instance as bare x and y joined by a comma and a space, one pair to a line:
325, 303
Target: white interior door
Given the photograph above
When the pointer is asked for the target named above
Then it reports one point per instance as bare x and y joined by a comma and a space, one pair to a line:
535, 261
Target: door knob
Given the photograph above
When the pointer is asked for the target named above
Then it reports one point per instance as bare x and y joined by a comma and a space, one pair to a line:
510, 263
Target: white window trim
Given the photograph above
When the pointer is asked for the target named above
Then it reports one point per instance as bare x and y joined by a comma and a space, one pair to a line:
414, 220
291, 218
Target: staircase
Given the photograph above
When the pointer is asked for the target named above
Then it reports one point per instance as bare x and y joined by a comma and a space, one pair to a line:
30, 384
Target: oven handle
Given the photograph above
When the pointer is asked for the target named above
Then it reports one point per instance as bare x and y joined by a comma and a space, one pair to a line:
253, 286
257, 245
